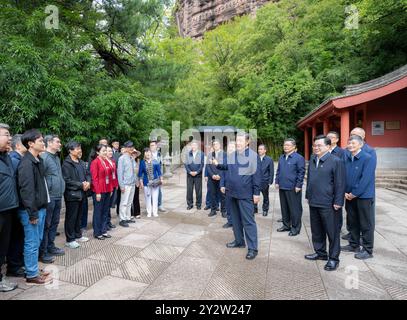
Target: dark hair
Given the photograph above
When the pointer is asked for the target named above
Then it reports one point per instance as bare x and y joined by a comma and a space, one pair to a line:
115, 140
153, 141
335, 133
146, 150
95, 151
246, 135
262, 145
72, 145
326, 140
48, 138
30, 136
290, 140
15, 140
357, 138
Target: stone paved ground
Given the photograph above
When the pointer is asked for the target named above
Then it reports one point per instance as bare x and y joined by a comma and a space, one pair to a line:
182, 255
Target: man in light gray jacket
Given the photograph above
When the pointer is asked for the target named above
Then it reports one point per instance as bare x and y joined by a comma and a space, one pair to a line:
126, 174
56, 188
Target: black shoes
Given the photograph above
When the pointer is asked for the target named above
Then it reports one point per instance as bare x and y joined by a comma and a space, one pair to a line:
123, 224
57, 234
293, 234
100, 237
224, 214
234, 244
47, 259
189, 207
19, 273
363, 254
265, 213
105, 235
331, 265
131, 221
198, 207
346, 236
227, 225
315, 256
251, 254
283, 229
212, 213
349, 248
280, 220
111, 225
207, 208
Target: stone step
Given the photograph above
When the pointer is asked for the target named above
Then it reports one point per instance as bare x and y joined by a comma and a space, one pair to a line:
397, 186
391, 179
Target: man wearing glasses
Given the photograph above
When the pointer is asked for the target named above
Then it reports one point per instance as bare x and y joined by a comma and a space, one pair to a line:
325, 194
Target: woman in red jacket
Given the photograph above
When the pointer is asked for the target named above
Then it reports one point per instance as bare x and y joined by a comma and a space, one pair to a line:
102, 186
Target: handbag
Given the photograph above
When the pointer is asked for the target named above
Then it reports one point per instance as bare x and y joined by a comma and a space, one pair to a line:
155, 183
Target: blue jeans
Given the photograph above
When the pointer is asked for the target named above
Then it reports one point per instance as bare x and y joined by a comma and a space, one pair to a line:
160, 198
100, 214
51, 226
32, 239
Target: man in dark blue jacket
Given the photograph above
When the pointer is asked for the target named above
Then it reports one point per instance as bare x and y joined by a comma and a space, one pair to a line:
8, 201
194, 166
289, 179
214, 177
242, 183
360, 192
15, 257
335, 150
231, 148
372, 152
267, 177
325, 194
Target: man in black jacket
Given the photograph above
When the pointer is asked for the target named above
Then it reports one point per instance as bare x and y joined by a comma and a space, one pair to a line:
8, 201
34, 200
325, 194
77, 181
267, 177
214, 177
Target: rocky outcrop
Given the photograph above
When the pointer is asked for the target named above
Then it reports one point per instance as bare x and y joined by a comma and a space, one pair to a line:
194, 17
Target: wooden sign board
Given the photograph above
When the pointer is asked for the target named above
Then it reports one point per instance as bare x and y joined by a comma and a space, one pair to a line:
392, 125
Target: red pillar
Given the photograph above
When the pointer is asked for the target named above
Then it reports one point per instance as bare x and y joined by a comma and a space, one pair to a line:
345, 127
326, 126
314, 131
306, 143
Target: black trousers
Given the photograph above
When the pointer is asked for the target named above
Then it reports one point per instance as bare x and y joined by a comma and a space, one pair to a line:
15, 254
325, 223
118, 198
291, 209
361, 222
5, 232
194, 182
135, 209
214, 189
266, 201
73, 217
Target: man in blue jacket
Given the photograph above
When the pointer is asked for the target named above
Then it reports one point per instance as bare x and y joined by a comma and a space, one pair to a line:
230, 149
289, 179
214, 177
8, 201
194, 166
325, 195
335, 149
267, 177
360, 192
243, 181
372, 152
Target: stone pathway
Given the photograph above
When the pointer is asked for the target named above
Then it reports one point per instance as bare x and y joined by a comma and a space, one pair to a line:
182, 255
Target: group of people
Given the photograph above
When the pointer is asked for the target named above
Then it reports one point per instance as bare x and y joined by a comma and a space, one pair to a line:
336, 178
33, 183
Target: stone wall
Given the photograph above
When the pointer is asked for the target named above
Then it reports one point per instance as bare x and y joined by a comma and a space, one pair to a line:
194, 17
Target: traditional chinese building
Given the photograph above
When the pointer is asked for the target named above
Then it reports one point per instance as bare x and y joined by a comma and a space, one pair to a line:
379, 106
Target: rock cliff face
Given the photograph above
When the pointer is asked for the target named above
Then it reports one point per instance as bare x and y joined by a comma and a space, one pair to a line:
194, 17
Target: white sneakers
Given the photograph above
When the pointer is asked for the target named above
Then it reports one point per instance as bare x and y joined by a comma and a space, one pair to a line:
72, 245
83, 239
